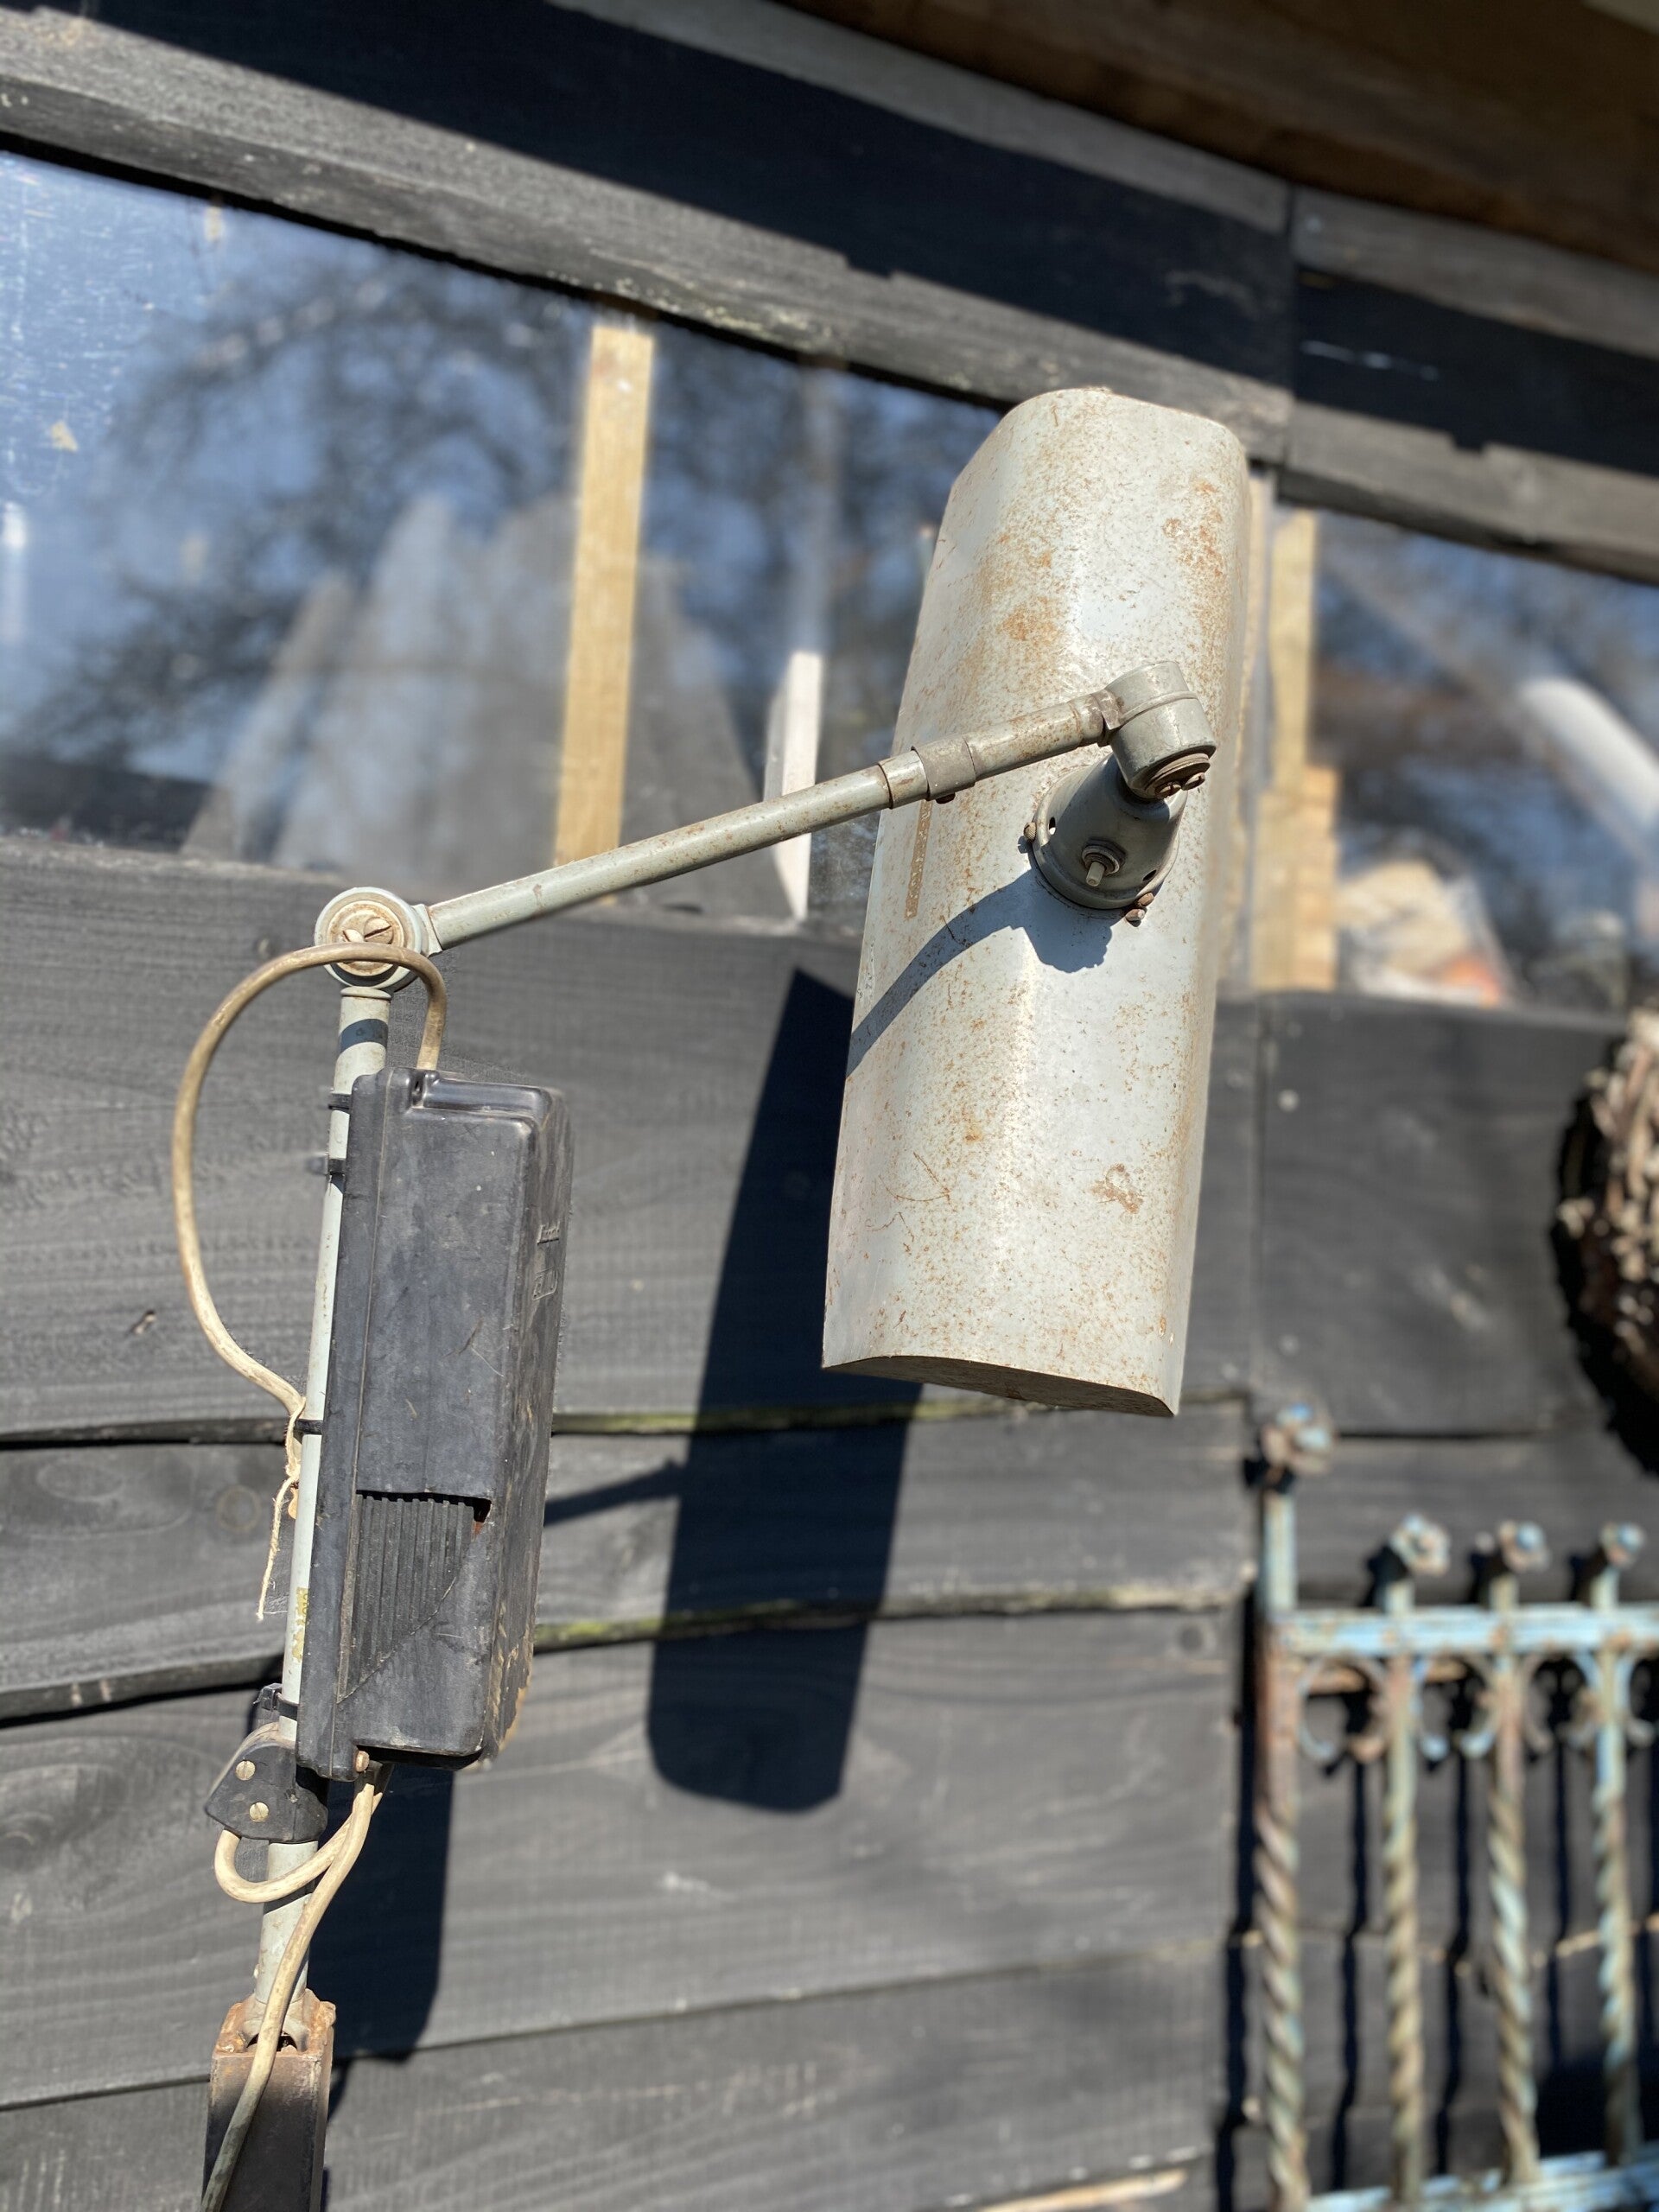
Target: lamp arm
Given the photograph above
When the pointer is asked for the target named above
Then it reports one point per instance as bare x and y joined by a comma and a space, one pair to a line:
936, 771
1160, 737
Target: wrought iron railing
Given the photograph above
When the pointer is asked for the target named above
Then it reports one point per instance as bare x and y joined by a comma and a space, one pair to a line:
1387, 1654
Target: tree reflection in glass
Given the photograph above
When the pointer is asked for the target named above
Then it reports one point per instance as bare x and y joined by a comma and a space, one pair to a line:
285, 554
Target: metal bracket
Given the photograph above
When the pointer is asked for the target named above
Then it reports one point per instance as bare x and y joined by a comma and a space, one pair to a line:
264, 1794
1095, 843
282, 2166
1103, 837
381, 921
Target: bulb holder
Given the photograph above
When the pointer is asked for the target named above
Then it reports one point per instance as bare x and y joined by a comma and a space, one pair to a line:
1095, 842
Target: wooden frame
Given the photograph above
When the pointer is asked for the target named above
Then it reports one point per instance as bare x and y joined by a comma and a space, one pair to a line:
929, 252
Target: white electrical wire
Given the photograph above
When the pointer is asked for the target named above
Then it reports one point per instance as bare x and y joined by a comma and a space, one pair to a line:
279, 1886
328, 1868
288, 1395
346, 1846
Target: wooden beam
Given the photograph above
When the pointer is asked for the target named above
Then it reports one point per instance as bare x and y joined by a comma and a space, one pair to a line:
1477, 271
1493, 493
965, 102
962, 1797
130, 1570
956, 2091
605, 567
1293, 938
562, 146
591, 145
1543, 131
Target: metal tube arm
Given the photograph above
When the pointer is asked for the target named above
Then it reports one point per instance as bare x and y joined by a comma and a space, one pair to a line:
935, 771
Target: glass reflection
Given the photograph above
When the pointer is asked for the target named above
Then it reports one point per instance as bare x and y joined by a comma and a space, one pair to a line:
1487, 727
289, 528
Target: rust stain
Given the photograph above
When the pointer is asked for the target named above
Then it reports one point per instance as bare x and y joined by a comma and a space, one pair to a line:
1025, 602
1118, 1187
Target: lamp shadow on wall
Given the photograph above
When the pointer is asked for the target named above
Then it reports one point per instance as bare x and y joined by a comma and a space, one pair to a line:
788, 1490
377, 1958
792, 1526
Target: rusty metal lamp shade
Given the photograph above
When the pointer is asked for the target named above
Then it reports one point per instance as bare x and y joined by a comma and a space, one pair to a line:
1017, 1183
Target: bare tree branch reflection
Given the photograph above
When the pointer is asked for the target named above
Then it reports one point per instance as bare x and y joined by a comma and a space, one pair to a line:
263, 595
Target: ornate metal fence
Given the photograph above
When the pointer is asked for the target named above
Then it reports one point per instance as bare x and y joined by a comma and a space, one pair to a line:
1387, 1653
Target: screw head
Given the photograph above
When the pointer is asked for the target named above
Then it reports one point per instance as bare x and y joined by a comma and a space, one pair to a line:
366, 922
244, 1769
361, 1764
372, 918
258, 1810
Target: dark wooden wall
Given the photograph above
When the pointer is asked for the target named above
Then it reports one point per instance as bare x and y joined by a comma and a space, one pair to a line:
783, 180
871, 1836
872, 1829
1541, 125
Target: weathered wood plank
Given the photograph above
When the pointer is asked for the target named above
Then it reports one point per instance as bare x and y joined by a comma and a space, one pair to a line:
977, 2091
1492, 491
130, 1570
550, 142
1477, 271
1409, 1180
888, 212
1542, 130
962, 100
1375, 350
703, 1070
963, 1797
133, 1571
1050, 1509
1418, 393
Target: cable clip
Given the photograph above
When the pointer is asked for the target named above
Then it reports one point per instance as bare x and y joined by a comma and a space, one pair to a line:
264, 1794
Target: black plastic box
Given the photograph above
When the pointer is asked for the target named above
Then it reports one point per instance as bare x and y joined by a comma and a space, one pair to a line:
422, 1608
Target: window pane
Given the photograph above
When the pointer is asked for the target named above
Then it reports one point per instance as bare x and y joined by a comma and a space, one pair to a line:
1472, 813
321, 553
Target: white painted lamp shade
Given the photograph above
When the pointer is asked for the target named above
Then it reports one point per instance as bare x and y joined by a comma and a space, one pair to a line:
1022, 1131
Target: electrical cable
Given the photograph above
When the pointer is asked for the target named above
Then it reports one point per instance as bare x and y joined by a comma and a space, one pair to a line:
330, 1866
278, 1887
347, 1845
291, 1399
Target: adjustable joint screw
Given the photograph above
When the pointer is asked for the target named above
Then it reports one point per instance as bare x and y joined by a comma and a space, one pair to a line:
380, 922
1100, 858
